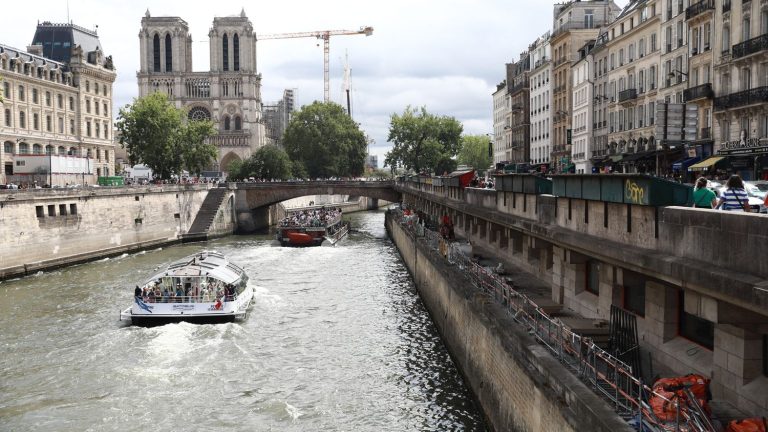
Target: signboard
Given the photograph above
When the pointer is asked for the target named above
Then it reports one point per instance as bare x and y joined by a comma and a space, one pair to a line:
568, 136
744, 146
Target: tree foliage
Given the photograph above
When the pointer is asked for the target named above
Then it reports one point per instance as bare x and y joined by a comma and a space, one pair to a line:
474, 152
423, 141
269, 162
158, 135
323, 141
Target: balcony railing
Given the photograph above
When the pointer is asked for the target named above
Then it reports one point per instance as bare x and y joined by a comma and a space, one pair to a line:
230, 139
517, 88
703, 91
699, 8
743, 98
627, 95
750, 46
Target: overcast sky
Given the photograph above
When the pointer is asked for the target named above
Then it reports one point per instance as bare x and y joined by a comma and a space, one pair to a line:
447, 55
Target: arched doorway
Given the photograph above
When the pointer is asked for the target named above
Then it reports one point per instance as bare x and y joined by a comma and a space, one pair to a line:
227, 160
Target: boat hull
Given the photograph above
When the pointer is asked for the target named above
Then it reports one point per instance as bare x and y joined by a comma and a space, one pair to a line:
151, 314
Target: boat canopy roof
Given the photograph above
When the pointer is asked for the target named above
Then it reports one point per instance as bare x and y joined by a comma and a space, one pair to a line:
203, 264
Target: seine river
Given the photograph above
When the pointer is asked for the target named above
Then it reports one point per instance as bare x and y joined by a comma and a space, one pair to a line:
337, 340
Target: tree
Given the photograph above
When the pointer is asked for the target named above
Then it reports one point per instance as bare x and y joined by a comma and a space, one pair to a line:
269, 162
158, 135
422, 141
321, 140
474, 152
196, 153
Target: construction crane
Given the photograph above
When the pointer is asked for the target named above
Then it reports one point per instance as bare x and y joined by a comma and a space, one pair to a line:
325, 35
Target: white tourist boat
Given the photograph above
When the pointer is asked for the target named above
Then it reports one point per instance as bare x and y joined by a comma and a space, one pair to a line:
205, 287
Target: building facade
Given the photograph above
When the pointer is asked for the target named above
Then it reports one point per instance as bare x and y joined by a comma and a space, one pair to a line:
540, 89
229, 94
518, 125
633, 71
574, 24
277, 116
56, 124
500, 119
741, 87
582, 120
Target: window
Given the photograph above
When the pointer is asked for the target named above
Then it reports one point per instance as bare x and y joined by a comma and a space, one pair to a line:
641, 48
71, 126
37, 149
634, 293
8, 121
593, 277
226, 123
59, 101
156, 53
693, 328
225, 52
21, 93
34, 95
97, 129
96, 88
35, 121
106, 133
87, 85
49, 149
236, 51
52, 210
238, 125
746, 79
707, 36
22, 120
589, 18
48, 124
726, 39
653, 42
7, 90
71, 103
61, 125
23, 149
745, 30
106, 114
62, 209
725, 132
73, 209
96, 107
168, 53
39, 211
651, 113
88, 128
88, 106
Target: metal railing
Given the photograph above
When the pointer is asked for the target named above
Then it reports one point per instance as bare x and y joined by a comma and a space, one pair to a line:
703, 91
750, 46
603, 372
699, 8
757, 95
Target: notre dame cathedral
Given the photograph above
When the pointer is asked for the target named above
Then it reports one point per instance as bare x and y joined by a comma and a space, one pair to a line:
229, 94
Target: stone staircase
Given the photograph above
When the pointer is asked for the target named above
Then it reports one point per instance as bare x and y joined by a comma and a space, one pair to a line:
199, 229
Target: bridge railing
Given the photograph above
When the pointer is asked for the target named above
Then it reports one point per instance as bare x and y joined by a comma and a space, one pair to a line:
600, 370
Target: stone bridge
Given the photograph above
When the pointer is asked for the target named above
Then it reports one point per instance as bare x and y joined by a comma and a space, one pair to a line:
253, 199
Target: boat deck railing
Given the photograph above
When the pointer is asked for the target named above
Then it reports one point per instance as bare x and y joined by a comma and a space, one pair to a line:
599, 369
187, 299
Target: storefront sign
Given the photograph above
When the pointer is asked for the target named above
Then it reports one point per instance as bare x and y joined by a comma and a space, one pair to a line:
744, 146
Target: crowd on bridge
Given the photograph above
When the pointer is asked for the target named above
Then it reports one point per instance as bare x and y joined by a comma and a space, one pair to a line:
311, 218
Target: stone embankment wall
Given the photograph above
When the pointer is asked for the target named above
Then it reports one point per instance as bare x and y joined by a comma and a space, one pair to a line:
48, 228
518, 384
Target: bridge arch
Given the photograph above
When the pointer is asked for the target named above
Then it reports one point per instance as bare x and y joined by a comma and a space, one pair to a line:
253, 199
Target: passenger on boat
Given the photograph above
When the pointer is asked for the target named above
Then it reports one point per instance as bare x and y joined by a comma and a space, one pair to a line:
137, 292
179, 294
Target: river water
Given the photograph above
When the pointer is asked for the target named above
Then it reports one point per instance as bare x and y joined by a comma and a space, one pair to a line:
337, 340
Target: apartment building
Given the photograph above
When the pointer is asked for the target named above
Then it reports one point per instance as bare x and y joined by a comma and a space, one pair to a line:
598, 148
582, 109
574, 24
500, 119
517, 128
540, 98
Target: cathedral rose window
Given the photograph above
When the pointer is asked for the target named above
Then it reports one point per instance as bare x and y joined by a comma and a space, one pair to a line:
199, 114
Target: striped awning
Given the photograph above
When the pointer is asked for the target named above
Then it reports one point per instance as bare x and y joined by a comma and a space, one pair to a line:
707, 163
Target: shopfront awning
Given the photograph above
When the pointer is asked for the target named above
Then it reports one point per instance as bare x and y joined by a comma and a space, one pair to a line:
684, 163
707, 163
636, 156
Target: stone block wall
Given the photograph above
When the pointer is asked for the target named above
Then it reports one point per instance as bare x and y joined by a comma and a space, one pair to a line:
43, 229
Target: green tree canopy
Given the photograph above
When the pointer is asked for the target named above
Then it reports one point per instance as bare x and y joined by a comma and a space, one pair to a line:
158, 135
323, 141
269, 162
422, 141
474, 152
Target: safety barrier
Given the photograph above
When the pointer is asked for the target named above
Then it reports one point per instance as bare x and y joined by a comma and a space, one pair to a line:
603, 372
